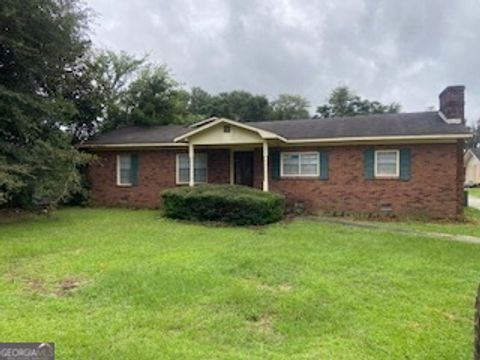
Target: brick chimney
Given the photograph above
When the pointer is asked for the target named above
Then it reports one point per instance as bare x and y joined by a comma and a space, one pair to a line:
452, 104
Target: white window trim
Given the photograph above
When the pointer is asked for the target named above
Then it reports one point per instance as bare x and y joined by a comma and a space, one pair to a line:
177, 169
397, 168
299, 153
119, 183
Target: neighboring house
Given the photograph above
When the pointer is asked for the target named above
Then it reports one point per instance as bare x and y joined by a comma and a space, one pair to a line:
472, 167
408, 163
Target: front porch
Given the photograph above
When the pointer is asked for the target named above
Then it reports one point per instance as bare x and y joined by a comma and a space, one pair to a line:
236, 165
245, 145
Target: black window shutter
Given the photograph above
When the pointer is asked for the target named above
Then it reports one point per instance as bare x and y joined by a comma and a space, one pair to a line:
134, 169
369, 164
275, 164
405, 164
323, 157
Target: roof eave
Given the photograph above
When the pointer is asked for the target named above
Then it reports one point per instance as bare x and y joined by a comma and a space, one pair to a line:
379, 138
271, 136
132, 145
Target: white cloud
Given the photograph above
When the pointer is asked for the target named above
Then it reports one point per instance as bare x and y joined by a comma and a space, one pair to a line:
404, 51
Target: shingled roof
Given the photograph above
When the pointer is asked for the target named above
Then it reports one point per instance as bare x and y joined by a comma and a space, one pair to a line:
380, 125
402, 124
139, 135
476, 152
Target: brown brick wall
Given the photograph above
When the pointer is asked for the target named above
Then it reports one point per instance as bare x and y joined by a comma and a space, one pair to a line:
156, 172
460, 176
435, 188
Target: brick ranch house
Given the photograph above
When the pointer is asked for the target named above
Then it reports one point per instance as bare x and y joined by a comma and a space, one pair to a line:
405, 164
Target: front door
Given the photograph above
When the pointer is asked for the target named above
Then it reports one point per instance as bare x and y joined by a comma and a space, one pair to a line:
243, 168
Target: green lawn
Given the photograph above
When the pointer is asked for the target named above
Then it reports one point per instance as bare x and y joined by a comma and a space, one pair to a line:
474, 192
124, 284
470, 226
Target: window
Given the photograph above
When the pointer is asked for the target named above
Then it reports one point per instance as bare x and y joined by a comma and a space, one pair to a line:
183, 168
299, 164
387, 163
125, 170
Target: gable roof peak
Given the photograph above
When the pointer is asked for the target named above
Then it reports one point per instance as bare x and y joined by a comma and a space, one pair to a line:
263, 133
203, 122
476, 152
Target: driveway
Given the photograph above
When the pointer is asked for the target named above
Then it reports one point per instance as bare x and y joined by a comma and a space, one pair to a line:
474, 202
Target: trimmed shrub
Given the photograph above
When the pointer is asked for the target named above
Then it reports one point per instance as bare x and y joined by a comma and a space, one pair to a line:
232, 204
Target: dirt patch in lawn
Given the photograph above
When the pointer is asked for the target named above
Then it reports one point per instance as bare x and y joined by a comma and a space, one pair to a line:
277, 288
36, 286
283, 288
68, 286
262, 323
62, 288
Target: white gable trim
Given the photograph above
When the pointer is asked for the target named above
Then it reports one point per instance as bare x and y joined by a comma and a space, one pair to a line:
262, 133
470, 154
202, 122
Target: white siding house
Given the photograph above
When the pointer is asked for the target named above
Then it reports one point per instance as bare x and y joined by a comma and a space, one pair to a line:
472, 167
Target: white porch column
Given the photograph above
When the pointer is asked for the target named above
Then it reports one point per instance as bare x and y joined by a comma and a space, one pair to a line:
191, 157
265, 165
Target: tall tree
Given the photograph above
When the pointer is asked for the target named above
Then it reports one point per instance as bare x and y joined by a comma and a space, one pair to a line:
241, 106
154, 98
112, 75
343, 102
474, 141
41, 44
81, 89
200, 102
288, 106
236, 105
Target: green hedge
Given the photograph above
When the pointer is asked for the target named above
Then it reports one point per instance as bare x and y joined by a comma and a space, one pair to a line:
233, 204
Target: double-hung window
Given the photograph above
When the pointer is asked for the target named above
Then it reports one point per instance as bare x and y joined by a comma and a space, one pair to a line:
298, 164
387, 163
127, 169
199, 171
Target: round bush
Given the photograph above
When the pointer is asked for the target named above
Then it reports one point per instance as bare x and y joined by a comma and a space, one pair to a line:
233, 204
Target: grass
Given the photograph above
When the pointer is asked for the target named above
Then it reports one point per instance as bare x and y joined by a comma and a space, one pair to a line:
104, 284
470, 227
474, 192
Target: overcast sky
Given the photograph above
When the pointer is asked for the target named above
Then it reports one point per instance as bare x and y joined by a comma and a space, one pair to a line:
398, 50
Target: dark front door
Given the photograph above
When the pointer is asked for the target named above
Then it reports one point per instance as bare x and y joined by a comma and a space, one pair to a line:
243, 170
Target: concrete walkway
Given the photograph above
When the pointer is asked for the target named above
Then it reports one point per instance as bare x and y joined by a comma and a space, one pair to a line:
397, 229
474, 202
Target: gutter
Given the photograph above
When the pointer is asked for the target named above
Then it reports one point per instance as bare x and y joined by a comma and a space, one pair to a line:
295, 141
380, 138
132, 145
